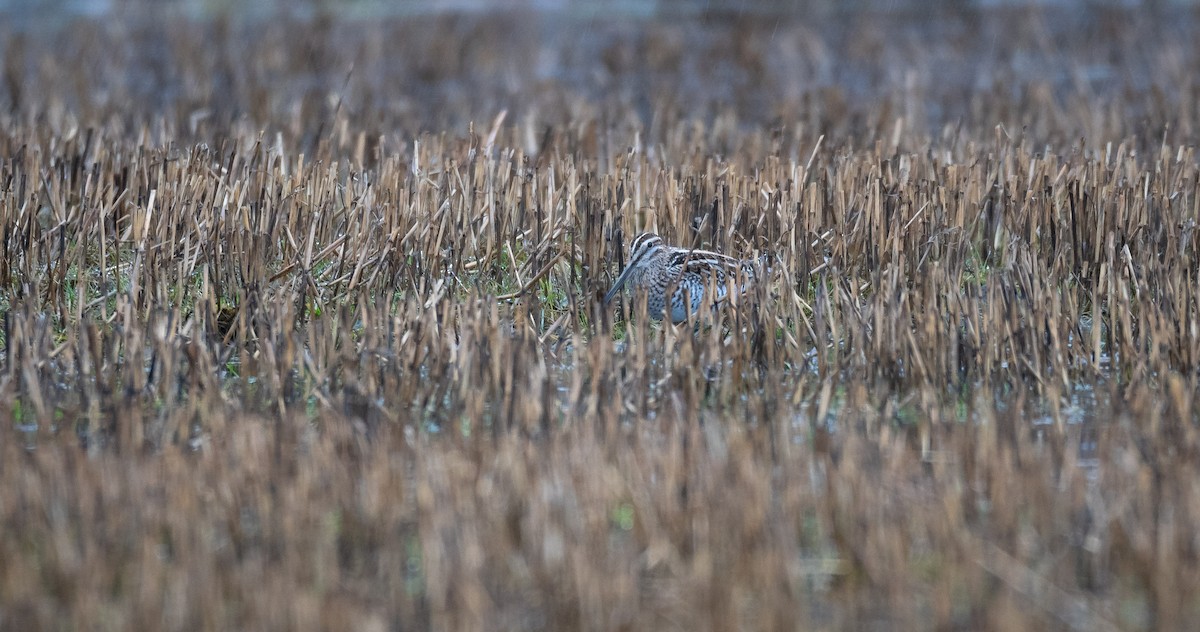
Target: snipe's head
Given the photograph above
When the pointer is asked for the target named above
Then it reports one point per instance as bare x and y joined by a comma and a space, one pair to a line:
645, 248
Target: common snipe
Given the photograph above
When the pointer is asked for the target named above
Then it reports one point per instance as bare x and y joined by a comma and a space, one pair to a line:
689, 276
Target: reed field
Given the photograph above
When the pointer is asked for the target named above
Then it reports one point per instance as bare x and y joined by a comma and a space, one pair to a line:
302, 324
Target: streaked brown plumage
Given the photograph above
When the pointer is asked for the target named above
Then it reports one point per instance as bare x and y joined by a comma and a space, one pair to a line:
689, 275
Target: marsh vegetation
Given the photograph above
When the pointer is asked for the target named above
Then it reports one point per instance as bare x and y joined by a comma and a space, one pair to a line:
302, 329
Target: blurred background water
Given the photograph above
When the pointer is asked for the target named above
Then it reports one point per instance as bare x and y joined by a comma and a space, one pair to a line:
466, 60
26, 11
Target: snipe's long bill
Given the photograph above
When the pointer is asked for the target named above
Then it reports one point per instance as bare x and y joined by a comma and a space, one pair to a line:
691, 277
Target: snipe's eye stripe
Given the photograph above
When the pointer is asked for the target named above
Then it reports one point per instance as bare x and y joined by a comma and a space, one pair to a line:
643, 240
